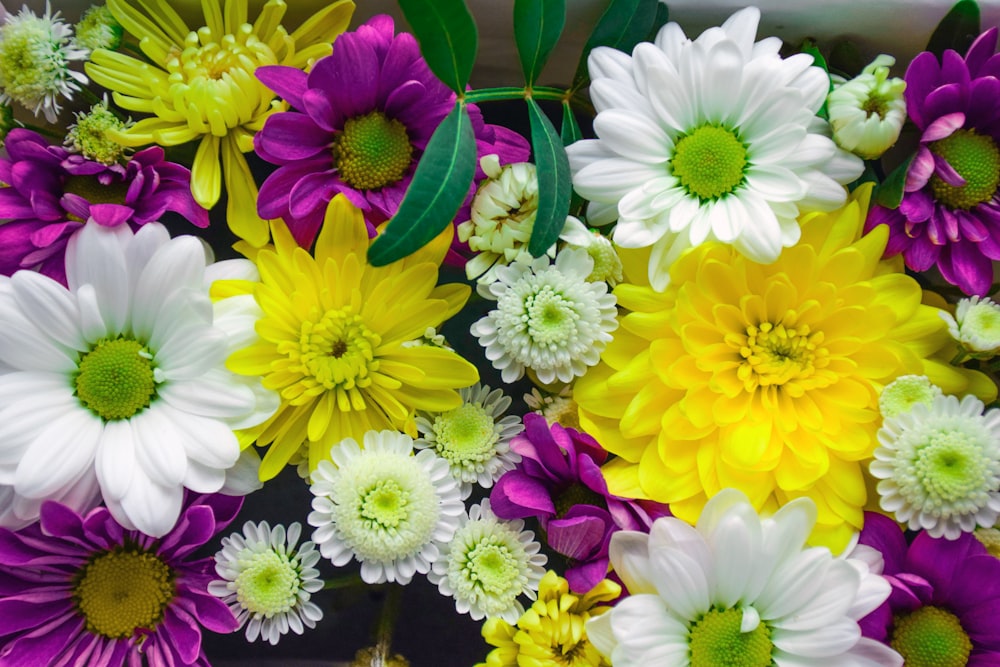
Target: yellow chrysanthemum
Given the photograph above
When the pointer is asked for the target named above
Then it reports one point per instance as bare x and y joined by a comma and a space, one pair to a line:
765, 378
551, 633
339, 338
200, 85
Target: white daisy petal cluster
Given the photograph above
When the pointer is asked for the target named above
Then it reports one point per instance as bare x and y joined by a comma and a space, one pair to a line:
739, 589
35, 56
488, 564
267, 580
116, 388
384, 507
939, 466
548, 318
474, 438
714, 138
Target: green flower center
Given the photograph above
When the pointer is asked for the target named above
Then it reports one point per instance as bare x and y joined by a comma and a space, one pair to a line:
96, 192
976, 158
716, 641
931, 637
982, 321
122, 591
337, 350
385, 504
90, 137
709, 162
552, 318
952, 466
115, 379
492, 567
875, 104
465, 435
906, 391
33, 63
268, 583
372, 151
576, 494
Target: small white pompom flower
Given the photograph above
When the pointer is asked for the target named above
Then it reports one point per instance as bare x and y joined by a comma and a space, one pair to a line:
904, 392
35, 56
976, 325
549, 318
267, 581
868, 112
474, 438
939, 466
384, 506
488, 564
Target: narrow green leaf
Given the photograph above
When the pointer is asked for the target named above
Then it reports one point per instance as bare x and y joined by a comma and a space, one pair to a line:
809, 46
552, 166
662, 16
437, 191
889, 192
447, 35
957, 30
623, 24
570, 129
537, 27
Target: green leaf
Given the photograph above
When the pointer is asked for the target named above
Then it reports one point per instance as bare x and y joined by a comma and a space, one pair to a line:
623, 24
809, 46
552, 166
889, 192
957, 30
570, 129
662, 16
537, 27
448, 39
440, 185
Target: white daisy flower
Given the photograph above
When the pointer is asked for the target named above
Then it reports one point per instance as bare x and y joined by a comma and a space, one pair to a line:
474, 438
268, 580
738, 589
488, 564
708, 139
35, 56
939, 466
117, 387
976, 325
383, 506
867, 113
548, 318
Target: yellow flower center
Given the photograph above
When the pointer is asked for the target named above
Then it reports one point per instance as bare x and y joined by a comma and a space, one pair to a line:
212, 82
931, 637
372, 151
122, 591
337, 350
977, 159
709, 162
774, 354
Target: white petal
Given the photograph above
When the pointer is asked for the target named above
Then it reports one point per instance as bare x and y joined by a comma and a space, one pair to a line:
143, 246
610, 179
49, 306
58, 455
159, 450
203, 479
833, 639
24, 346
214, 394
115, 459
832, 602
243, 477
722, 76
190, 351
664, 253
95, 255
231, 269
237, 316
31, 401
629, 554
207, 441
633, 137
150, 507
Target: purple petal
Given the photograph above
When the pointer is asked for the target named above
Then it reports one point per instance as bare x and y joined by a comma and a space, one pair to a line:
288, 83
292, 136
272, 201
944, 171
948, 99
13, 206
317, 104
920, 171
583, 577
579, 538
954, 69
210, 611
17, 615
922, 76
349, 76
963, 265
181, 632
981, 51
49, 640
921, 254
517, 496
943, 127
111, 215
311, 192
970, 226
404, 98
917, 206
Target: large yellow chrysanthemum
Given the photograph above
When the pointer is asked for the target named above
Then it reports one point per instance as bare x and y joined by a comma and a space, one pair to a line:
200, 84
340, 338
765, 378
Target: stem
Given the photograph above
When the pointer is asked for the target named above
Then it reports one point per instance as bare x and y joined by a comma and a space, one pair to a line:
44, 131
343, 582
515, 93
386, 624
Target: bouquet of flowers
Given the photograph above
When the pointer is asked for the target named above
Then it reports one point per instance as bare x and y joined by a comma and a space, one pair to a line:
687, 360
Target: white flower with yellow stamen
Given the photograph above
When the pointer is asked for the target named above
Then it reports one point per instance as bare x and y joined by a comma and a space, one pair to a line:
199, 85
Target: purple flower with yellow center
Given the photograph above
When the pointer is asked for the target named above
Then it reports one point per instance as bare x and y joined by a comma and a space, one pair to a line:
51, 193
950, 213
945, 597
362, 119
82, 590
559, 481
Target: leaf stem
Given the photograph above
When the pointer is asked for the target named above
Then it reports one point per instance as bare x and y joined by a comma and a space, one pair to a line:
386, 624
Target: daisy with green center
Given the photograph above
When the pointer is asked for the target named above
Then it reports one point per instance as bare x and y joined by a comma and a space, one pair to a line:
488, 564
115, 388
904, 392
474, 438
267, 580
939, 466
868, 112
98, 29
741, 591
976, 326
384, 507
714, 138
35, 57
548, 319
91, 134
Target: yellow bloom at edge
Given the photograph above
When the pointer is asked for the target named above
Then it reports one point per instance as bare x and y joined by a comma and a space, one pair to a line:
200, 85
339, 339
765, 378
551, 632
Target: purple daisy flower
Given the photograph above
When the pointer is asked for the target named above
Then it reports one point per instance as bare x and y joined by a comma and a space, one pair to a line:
945, 597
559, 481
82, 590
53, 192
950, 213
364, 117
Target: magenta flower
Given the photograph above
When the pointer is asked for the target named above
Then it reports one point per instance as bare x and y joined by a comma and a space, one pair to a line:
559, 481
82, 590
52, 192
945, 597
363, 118
950, 213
